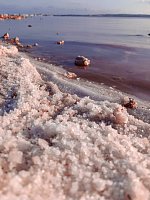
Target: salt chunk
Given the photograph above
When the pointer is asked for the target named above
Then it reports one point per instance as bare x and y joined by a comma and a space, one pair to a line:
137, 191
43, 143
36, 160
74, 188
15, 156
120, 116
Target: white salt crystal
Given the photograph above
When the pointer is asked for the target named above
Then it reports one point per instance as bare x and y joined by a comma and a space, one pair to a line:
15, 156
120, 116
43, 143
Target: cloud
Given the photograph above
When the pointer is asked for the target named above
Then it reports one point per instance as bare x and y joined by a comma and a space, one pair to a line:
145, 1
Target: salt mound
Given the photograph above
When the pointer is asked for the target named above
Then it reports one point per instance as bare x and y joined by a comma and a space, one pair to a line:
58, 146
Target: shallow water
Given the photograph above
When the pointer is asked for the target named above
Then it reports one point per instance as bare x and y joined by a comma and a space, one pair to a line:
125, 68
117, 47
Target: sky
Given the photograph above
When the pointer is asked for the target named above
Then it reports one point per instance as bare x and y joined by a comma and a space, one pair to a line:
75, 6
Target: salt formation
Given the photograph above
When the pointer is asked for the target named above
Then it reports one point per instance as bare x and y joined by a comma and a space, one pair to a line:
120, 115
58, 146
70, 75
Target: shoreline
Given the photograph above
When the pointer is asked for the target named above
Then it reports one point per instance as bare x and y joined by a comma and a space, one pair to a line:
116, 66
57, 145
110, 64
86, 87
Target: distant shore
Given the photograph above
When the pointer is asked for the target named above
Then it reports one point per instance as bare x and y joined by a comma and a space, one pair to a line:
12, 17
104, 15
22, 16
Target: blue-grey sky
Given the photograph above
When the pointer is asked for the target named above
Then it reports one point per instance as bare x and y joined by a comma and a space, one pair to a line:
75, 6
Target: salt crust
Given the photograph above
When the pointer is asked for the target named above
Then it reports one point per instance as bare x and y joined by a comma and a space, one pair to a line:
58, 146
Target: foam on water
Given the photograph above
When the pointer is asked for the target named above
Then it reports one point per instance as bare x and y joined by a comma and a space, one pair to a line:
56, 145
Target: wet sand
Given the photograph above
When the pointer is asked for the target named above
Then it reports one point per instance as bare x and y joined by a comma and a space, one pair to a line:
121, 67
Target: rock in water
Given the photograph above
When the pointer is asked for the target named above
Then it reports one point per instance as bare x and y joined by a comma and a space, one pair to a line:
82, 61
129, 103
61, 42
6, 36
35, 44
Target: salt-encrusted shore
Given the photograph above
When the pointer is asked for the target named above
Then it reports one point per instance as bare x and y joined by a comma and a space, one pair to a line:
54, 145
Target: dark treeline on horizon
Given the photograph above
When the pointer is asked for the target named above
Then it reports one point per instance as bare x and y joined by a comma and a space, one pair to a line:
105, 15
